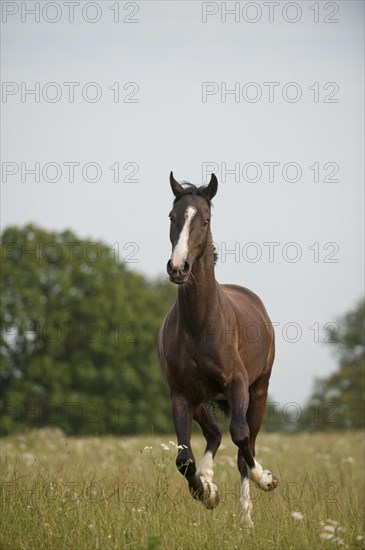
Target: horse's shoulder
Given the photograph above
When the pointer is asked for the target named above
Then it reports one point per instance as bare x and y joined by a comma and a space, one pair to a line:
236, 290
241, 295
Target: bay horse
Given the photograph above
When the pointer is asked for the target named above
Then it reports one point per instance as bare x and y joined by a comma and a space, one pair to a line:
216, 344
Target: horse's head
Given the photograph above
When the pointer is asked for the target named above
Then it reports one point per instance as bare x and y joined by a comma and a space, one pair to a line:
190, 226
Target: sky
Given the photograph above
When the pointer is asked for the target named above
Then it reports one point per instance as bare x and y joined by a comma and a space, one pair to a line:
101, 100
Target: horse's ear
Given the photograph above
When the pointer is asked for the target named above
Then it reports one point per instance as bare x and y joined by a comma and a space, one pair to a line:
211, 189
177, 189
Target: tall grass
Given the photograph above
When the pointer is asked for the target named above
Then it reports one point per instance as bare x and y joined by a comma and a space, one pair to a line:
109, 492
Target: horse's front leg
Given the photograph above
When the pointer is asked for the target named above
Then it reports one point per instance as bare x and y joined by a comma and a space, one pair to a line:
182, 414
213, 437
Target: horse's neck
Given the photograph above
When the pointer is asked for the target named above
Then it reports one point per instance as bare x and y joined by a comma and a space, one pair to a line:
198, 299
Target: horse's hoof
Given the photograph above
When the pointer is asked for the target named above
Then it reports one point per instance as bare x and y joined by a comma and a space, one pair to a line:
273, 484
265, 480
247, 523
210, 497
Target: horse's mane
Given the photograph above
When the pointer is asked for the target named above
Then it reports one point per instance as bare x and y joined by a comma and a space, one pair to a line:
191, 189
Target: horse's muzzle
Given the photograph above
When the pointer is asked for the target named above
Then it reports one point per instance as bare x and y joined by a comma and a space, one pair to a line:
178, 275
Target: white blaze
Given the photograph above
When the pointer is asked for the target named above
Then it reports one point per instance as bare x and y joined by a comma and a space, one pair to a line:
180, 251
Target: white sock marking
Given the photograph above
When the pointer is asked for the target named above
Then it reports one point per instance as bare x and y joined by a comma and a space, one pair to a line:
205, 469
205, 472
181, 249
246, 503
262, 478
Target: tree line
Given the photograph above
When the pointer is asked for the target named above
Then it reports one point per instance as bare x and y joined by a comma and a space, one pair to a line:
78, 345
78, 337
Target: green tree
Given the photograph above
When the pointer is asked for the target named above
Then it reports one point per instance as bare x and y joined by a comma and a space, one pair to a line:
78, 337
338, 400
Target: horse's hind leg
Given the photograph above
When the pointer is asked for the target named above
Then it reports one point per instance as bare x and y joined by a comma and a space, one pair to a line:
245, 503
213, 436
240, 432
256, 408
255, 413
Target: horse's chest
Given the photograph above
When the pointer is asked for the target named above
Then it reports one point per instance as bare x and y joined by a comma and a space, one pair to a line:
197, 365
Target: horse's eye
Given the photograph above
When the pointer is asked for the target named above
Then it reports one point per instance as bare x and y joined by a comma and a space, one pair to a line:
206, 222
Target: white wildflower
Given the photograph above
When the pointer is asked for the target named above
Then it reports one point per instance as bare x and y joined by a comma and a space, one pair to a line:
327, 536
348, 459
165, 447
147, 449
297, 515
332, 522
359, 537
182, 447
329, 528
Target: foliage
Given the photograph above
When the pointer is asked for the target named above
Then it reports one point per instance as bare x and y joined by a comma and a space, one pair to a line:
339, 398
78, 343
78, 337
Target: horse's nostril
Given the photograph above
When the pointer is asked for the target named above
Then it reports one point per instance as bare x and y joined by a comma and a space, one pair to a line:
170, 269
186, 267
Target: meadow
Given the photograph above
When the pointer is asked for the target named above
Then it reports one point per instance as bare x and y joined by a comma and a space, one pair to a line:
124, 492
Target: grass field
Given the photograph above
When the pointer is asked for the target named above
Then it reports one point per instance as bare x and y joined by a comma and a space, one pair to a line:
109, 492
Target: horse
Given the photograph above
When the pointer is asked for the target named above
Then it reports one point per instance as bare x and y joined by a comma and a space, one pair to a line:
216, 345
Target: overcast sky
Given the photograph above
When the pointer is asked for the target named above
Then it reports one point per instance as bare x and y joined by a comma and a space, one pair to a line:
270, 97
